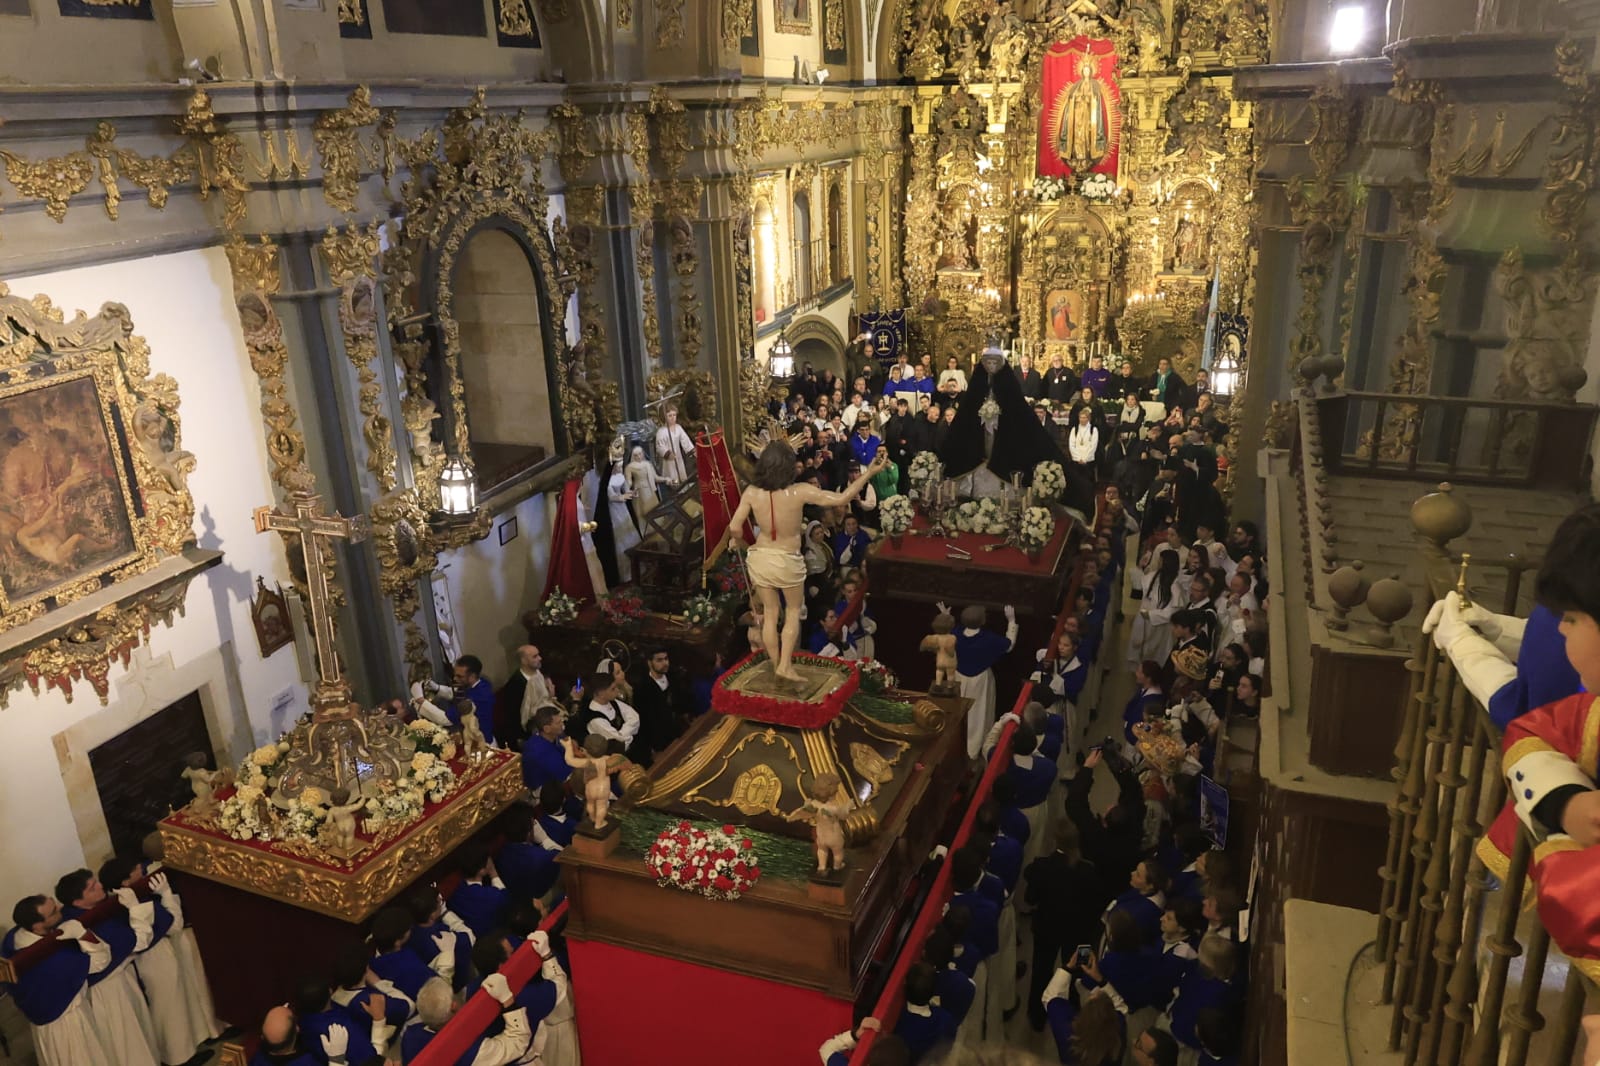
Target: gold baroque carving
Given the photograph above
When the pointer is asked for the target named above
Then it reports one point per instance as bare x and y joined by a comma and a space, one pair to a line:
352, 257
56, 180
219, 157
738, 22
833, 25
1569, 169
669, 22
624, 14
1547, 326
515, 19
336, 136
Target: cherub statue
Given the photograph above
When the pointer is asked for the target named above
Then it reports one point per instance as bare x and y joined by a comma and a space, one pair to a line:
419, 419
828, 815
942, 642
202, 781
594, 768
473, 742
342, 819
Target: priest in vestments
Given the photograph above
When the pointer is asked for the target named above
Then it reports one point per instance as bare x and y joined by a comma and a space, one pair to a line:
53, 993
977, 650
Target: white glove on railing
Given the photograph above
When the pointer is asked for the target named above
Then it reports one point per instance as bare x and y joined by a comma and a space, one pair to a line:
1482, 667
498, 987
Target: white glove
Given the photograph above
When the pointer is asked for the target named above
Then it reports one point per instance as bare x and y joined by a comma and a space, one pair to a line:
939, 852
159, 885
71, 929
541, 942
498, 987
127, 897
1446, 623
942, 607
440, 690
446, 943
336, 1041
1011, 613
416, 690
1039, 656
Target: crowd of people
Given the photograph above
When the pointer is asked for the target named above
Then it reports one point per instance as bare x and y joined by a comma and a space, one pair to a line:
1114, 925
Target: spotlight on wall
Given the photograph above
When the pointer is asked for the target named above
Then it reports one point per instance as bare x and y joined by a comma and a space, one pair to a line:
1348, 31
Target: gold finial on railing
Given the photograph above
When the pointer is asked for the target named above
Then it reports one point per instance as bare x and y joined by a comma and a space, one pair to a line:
1461, 581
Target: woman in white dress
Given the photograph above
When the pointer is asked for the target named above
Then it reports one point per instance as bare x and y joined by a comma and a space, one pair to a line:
1151, 634
642, 482
953, 372
623, 532
1083, 443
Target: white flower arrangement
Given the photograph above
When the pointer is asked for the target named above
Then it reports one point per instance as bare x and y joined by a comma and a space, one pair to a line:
1038, 526
239, 816
701, 611
303, 820
989, 411
558, 608
1049, 480
924, 467
1098, 187
1046, 190
896, 515
980, 516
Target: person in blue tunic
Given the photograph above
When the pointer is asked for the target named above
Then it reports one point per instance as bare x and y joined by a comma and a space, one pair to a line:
481, 899
367, 1029
436, 1006
543, 758
1208, 986
527, 867
121, 1014
395, 962
280, 1042
1532, 669
956, 990
923, 1024
977, 651
966, 876
53, 993
1034, 774
1145, 898
887, 1049
559, 815
354, 987
467, 683
437, 931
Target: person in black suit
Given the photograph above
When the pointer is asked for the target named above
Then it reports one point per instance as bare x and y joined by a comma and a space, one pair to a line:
1124, 382
1167, 386
1060, 383
1032, 380
662, 702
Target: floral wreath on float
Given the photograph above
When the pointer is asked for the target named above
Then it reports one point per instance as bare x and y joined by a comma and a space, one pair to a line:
715, 863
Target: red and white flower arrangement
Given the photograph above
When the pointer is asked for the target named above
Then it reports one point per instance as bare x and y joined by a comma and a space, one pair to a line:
717, 863
876, 678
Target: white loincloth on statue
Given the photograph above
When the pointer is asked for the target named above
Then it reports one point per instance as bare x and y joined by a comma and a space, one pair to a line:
71, 1040
980, 716
122, 1019
775, 568
176, 1034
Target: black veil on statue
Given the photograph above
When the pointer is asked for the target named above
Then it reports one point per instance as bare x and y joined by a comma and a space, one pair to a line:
1020, 441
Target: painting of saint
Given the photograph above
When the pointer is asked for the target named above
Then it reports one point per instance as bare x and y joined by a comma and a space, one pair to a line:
63, 512
1083, 132
794, 16
1065, 310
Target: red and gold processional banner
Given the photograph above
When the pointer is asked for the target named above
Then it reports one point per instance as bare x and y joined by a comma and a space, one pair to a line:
1080, 124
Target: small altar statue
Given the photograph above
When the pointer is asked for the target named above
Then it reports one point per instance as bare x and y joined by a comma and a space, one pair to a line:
204, 783
643, 482
342, 821
473, 744
828, 815
942, 642
753, 620
594, 767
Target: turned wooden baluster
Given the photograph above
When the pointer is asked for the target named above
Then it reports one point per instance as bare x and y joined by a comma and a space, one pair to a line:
1461, 1013
1456, 836
1503, 947
1407, 772
1569, 1016
1411, 978
1523, 1017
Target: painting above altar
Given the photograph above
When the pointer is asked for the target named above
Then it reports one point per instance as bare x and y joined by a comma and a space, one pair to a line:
1065, 318
1080, 126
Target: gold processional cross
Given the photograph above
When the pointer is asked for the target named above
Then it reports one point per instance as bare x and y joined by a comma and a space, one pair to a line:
340, 748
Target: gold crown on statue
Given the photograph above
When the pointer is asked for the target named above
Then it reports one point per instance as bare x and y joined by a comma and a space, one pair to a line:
1191, 662
1160, 749
774, 431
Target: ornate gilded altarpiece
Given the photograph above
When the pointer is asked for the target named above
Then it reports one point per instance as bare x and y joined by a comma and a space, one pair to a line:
93, 494
1085, 179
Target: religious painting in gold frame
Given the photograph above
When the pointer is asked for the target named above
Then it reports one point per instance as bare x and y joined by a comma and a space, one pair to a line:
1065, 319
793, 16
93, 478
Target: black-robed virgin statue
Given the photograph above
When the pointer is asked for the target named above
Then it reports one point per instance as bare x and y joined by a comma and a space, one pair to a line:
1012, 441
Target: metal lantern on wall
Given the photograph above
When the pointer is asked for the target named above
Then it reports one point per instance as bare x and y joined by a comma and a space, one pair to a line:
458, 487
780, 359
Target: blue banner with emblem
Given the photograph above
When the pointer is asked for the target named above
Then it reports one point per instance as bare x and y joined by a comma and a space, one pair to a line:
888, 329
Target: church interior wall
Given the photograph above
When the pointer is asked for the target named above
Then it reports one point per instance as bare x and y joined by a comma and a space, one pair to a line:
490, 585
196, 340
48, 47
423, 55
779, 49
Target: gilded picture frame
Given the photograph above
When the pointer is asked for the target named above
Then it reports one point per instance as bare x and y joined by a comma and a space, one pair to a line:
93, 480
794, 16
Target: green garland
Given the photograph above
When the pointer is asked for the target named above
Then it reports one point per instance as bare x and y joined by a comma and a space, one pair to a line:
889, 712
785, 858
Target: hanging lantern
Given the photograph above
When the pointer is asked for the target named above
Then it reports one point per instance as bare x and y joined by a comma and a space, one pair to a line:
458, 487
780, 359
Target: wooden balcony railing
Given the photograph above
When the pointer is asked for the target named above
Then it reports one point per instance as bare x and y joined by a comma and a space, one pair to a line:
1458, 439
1447, 929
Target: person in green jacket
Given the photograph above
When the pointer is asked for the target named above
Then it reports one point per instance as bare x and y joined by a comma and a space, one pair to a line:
886, 482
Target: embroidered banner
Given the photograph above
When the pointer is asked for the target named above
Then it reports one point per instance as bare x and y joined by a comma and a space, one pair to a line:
1080, 125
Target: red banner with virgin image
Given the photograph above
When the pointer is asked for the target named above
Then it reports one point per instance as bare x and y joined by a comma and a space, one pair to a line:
1080, 122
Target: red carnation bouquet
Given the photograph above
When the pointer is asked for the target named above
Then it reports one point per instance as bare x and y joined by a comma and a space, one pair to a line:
717, 863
